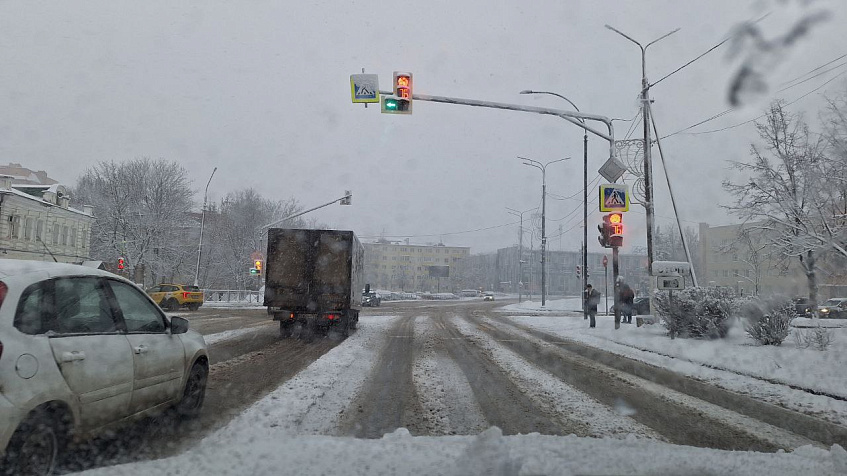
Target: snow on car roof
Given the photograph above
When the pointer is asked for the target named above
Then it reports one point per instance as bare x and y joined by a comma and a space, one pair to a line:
16, 267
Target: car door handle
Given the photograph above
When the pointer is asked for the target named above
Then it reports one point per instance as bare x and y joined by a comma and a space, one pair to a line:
72, 356
141, 349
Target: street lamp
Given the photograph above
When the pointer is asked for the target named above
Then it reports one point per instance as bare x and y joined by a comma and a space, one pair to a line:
512, 211
543, 168
645, 113
202, 225
584, 185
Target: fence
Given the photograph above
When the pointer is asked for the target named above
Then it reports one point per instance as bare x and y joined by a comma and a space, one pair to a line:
232, 296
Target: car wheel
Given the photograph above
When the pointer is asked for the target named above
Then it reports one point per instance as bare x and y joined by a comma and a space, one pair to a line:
173, 305
34, 447
194, 392
193, 307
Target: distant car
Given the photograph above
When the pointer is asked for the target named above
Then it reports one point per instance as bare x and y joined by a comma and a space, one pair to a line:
172, 297
802, 307
371, 299
835, 308
81, 351
488, 297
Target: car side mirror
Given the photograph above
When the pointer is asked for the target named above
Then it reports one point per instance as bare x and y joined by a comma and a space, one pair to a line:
179, 325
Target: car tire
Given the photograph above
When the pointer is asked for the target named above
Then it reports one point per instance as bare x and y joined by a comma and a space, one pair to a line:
194, 392
173, 305
193, 307
36, 445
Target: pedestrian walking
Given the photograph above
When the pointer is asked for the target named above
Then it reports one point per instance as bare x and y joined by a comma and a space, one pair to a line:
627, 300
591, 300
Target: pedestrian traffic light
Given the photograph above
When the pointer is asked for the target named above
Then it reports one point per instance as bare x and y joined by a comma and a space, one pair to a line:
611, 231
401, 101
121, 263
403, 86
616, 229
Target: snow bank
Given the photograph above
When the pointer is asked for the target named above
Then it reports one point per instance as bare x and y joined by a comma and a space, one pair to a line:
488, 453
567, 304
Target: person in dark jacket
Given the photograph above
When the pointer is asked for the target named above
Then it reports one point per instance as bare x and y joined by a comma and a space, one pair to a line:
627, 299
591, 299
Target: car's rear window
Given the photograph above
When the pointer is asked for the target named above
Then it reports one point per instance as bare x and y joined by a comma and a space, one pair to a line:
192, 288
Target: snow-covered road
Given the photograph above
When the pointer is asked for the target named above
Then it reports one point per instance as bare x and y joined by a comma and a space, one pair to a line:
456, 388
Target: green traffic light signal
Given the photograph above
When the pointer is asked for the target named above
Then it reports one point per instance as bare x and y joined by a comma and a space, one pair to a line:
394, 105
254, 271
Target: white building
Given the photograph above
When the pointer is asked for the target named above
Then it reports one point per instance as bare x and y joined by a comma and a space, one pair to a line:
37, 221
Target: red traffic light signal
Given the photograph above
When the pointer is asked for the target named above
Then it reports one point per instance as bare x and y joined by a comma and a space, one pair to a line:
611, 231
403, 86
121, 263
401, 101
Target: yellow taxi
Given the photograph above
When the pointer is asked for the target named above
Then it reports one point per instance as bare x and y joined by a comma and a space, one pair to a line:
172, 297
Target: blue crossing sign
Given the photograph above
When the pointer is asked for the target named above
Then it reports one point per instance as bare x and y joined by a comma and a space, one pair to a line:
614, 197
364, 88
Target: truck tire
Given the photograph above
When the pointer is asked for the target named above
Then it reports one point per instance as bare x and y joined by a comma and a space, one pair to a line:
355, 321
285, 329
308, 330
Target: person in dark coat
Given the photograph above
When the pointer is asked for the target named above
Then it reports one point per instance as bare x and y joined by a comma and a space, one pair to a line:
627, 299
591, 300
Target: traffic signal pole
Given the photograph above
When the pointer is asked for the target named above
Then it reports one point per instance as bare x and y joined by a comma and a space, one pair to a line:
615, 274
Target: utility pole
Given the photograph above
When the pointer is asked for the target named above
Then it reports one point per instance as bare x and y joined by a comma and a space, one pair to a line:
520, 249
202, 225
648, 171
615, 274
543, 168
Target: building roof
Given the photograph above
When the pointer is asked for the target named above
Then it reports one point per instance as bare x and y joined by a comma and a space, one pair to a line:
19, 193
23, 175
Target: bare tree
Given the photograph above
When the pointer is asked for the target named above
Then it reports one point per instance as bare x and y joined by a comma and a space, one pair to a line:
237, 230
784, 190
142, 214
752, 250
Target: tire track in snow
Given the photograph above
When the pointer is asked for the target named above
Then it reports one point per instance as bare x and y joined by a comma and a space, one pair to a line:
596, 419
443, 390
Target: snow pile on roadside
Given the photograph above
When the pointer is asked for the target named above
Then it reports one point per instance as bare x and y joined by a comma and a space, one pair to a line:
829, 323
228, 334
487, 453
573, 304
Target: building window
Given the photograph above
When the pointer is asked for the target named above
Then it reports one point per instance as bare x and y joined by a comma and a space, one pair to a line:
39, 230
726, 273
14, 226
64, 236
82, 239
55, 233
447, 260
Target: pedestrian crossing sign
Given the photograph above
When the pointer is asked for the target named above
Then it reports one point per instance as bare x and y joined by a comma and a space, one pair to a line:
614, 197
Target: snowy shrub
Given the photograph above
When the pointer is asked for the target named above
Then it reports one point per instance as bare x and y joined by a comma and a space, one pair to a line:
696, 312
767, 321
817, 337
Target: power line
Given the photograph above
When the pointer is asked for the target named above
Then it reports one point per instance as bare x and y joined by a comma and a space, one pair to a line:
755, 118
703, 54
813, 77
815, 69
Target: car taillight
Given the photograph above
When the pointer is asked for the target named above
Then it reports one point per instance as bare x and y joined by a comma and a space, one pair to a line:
3, 290
332, 317
185, 295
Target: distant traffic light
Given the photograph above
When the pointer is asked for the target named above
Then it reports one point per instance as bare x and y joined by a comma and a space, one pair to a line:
578, 271
347, 199
121, 264
257, 265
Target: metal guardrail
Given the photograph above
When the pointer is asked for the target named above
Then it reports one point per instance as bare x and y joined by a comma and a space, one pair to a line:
233, 296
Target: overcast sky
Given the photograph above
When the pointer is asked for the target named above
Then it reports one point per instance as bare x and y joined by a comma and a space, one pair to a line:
260, 89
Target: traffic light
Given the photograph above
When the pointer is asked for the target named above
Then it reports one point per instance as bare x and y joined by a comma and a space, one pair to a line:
257, 265
611, 231
348, 198
401, 101
616, 229
578, 271
121, 263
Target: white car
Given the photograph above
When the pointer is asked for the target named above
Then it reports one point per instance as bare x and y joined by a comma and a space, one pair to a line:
81, 351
